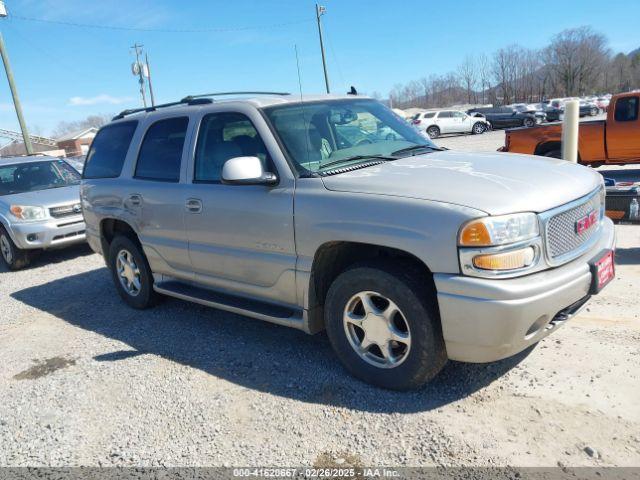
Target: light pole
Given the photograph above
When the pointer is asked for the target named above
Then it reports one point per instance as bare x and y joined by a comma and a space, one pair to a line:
12, 87
320, 10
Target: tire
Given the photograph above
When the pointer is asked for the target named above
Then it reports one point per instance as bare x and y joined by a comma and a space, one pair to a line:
13, 257
125, 250
557, 153
529, 122
478, 128
433, 131
406, 365
593, 112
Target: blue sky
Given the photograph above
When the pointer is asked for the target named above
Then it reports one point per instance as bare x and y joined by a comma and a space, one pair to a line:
67, 73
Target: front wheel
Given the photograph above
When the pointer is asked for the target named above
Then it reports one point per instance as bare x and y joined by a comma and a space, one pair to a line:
383, 326
594, 112
478, 128
131, 273
529, 122
14, 258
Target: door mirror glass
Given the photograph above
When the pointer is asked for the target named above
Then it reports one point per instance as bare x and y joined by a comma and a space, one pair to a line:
246, 171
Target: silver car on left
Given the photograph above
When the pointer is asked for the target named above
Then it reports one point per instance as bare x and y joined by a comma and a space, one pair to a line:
39, 207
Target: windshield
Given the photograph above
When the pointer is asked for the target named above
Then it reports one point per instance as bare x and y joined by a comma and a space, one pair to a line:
33, 176
321, 135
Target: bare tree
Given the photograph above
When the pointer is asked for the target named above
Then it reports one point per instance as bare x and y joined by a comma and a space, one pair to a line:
467, 72
91, 121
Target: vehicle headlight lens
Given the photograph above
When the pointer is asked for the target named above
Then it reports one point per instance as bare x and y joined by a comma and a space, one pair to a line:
23, 212
511, 260
499, 230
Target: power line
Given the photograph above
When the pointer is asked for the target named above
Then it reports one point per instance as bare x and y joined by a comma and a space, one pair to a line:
160, 30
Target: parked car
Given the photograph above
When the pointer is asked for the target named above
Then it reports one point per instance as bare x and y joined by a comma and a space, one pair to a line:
450, 121
553, 114
503, 117
588, 109
39, 207
615, 140
602, 103
540, 115
405, 253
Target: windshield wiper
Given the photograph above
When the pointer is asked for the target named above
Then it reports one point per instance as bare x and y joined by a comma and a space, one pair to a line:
416, 147
358, 157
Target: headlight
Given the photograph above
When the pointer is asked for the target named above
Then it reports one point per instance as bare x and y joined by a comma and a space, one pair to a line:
500, 230
28, 213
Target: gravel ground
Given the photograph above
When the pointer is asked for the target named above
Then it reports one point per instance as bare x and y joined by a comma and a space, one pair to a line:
84, 380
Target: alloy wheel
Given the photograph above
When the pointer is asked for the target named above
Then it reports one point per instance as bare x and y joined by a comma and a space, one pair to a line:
128, 273
5, 248
377, 329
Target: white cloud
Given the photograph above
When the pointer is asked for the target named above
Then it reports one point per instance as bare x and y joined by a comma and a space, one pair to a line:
101, 99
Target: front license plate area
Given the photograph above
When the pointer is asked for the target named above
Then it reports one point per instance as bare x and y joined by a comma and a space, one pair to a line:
603, 270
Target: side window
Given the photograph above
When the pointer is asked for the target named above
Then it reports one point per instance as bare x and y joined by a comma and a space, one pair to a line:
626, 109
108, 150
223, 136
458, 114
445, 115
430, 115
161, 150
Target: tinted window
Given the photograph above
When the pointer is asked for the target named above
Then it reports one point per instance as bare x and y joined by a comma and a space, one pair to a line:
626, 109
458, 114
224, 136
108, 150
35, 176
430, 115
161, 150
445, 115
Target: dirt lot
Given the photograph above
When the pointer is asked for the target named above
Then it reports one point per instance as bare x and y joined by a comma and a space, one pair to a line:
85, 380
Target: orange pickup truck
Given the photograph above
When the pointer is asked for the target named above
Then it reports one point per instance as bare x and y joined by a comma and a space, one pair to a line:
615, 140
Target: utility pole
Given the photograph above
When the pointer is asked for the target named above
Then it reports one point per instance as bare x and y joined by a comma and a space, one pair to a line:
138, 70
146, 60
320, 10
12, 86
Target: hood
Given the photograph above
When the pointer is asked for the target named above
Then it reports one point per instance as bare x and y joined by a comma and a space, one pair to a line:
45, 198
496, 183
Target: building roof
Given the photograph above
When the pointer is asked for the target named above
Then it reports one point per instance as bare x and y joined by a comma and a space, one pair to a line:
76, 134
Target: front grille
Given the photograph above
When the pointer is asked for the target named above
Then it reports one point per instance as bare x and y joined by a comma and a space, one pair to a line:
66, 210
561, 229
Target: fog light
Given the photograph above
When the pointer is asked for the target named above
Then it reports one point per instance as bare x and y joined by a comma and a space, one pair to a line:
32, 237
512, 260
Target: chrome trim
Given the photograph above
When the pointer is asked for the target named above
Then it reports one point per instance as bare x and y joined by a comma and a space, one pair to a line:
468, 268
545, 217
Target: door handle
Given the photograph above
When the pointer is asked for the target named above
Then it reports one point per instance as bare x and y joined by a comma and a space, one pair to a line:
194, 205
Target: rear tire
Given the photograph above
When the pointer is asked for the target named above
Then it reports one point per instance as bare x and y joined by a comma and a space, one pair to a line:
593, 112
433, 131
369, 352
13, 257
529, 122
131, 273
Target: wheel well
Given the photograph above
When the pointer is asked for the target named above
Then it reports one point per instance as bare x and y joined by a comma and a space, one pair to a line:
109, 228
333, 258
546, 147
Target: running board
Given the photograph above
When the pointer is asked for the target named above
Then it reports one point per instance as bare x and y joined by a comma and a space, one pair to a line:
269, 312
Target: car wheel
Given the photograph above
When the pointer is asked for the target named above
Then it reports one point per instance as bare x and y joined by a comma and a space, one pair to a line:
433, 131
383, 325
13, 257
529, 122
478, 128
131, 273
554, 153
594, 112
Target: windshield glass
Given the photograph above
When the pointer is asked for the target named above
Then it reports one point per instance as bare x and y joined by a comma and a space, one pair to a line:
33, 176
321, 133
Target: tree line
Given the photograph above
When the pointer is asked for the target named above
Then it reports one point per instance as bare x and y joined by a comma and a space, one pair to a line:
576, 62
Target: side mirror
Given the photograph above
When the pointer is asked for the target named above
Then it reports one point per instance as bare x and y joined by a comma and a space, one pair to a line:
246, 171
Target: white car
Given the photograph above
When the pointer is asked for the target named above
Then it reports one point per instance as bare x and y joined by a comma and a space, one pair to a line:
449, 121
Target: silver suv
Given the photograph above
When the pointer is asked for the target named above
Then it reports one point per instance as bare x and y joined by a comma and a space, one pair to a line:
39, 207
299, 212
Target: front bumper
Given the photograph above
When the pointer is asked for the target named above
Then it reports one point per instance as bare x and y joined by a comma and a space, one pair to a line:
52, 233
485, 320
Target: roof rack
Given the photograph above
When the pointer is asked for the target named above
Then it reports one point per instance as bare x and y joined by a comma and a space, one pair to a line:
192, 100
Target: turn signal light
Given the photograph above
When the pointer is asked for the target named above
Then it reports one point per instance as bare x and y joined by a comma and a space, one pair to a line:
512, 260
475, 234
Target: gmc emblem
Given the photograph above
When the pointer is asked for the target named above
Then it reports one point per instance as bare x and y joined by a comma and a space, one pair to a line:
585, 223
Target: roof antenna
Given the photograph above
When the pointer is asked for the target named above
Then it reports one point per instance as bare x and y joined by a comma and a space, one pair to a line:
353, 91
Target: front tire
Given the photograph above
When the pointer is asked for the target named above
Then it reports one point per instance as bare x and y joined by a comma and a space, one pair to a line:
131, 273
593, 112
529, 122
382, 323
478, 128
433, 131
13, 257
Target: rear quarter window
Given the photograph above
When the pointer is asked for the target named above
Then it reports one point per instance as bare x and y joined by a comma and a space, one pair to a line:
108, 150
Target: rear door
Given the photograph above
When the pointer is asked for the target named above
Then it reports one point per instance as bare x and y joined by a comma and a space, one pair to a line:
623, 131
158, 191
445, 121
240, 236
